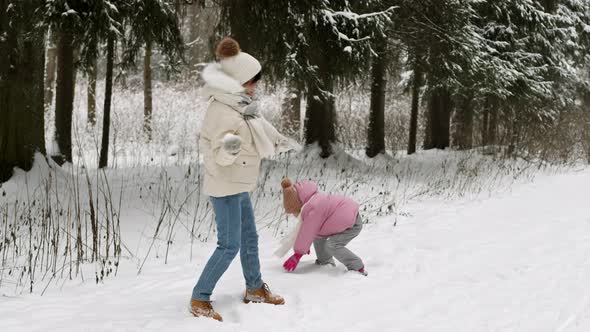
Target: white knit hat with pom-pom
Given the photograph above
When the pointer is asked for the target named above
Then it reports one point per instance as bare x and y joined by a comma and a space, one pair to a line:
237, 64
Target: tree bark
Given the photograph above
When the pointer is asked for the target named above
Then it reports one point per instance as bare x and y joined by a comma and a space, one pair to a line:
586, 119
50, 70
291, 113
64, 97
492, 130
22, 61
376, 129
485, 123
104, 149
193, 49
463, 138
549, 5
513, 138
147, 91
439, 119
416, 84
92, 76
320, 115
202, 22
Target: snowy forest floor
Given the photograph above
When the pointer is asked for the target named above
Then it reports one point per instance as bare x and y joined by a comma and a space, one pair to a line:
499, 257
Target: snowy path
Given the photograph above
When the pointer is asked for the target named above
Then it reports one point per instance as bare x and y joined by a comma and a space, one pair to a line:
516, 262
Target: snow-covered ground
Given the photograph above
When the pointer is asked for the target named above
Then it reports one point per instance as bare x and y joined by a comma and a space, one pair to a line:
455, 241
515, 260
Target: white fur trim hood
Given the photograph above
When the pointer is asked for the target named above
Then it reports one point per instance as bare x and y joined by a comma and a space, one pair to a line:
217, 81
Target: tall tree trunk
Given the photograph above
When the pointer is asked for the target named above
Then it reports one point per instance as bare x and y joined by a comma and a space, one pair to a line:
485, 122
64, 97
439, 119
492, 132
513, 136
376, 129
291, 113
147, 91
202, 21
193, 33
108, 91
320, 116
463, 138
416, 84
22, 60
50, 70
92, 76
586, 119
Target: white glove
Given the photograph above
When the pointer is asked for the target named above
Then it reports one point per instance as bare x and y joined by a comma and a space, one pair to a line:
231, 143
251, 111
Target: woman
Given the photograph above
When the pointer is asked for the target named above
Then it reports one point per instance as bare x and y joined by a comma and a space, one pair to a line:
234, 138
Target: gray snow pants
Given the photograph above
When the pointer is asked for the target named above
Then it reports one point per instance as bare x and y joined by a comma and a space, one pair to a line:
335, 246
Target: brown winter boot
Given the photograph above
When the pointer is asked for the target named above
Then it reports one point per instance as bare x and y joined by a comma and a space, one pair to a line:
263, 295
204, 309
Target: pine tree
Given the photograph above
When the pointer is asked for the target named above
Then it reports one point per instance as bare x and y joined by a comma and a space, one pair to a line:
532, 47
318, 44
151, 23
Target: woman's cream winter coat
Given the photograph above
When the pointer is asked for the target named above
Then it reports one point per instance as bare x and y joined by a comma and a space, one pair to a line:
227, 174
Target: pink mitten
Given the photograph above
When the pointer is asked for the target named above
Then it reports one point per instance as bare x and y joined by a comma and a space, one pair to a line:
291, 263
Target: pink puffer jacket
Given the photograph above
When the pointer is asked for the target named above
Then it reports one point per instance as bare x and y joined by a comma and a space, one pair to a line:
322, 215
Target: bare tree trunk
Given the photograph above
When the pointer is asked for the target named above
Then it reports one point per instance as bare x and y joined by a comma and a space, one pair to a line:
291, 113
587, 135
22, 60
192, 48
439, 119
586, 119
492, 132
147, 91
50, 70
64, 97
320, 115
202, 22
416, 84
485, 122
376, 129
92, 76
513, 134
463, 138
104, 149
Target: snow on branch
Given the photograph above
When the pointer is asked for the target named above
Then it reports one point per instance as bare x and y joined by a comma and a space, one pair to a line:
348, 39
330, 16
354, 16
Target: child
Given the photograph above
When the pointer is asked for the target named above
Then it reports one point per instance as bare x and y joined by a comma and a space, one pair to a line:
329, 221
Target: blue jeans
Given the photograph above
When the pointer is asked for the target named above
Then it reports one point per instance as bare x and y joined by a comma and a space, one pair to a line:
236, 231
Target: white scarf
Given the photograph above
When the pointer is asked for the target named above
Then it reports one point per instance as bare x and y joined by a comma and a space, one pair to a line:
227, 90
267, 140
288, 241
